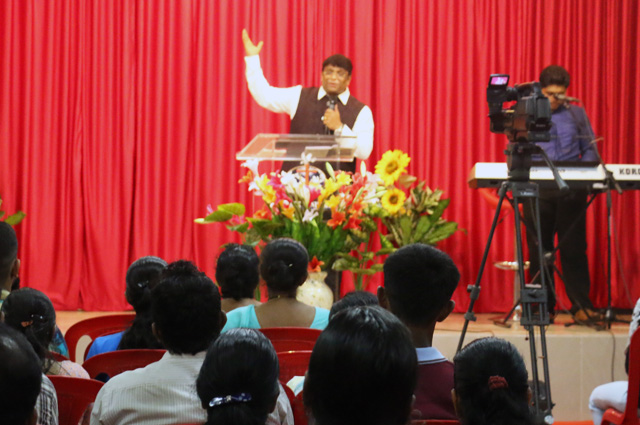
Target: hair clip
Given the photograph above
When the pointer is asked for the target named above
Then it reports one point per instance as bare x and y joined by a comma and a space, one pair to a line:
26, 324
143, 284
237, 398
497, 382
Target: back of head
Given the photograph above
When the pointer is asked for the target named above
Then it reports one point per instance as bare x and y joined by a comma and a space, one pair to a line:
362, 370
142, 276
20, 377
283, 264
8, 250
185, 307
237, 271
490, 381
353, 299
30, 312
340, 61
554, 75
238, 382
419, 281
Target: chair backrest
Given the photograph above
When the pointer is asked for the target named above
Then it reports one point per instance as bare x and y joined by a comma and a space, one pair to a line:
57, 356
293, 363
95, 327
292, 339
116, 362
74, 395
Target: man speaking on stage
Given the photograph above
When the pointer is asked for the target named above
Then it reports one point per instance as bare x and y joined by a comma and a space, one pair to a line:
329, 109
571, 140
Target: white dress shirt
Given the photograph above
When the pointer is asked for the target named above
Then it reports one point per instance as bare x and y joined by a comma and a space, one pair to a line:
285, 100
163, 392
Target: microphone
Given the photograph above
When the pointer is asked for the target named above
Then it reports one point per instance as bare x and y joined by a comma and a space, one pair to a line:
565, 98
331, 103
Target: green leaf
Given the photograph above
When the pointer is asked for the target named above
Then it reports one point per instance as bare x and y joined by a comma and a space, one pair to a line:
366, 272
405, 227
342, 264
386, 251
442, 232
377, 267
1, 214
240, 228
384, 241
16, 218
233, 208
218, 216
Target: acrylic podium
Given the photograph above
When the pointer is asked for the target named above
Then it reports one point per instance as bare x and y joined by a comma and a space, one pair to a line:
289, 149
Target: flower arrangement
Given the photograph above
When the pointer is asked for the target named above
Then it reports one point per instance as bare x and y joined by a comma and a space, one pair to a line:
336, 217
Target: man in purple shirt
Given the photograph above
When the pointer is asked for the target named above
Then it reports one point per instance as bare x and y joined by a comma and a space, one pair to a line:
571, 140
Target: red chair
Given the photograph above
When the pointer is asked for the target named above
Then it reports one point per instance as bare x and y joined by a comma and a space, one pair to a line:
291, 339
630, 414
293, 363
74, 395
57, 356
116, 362
95, 327
297, 406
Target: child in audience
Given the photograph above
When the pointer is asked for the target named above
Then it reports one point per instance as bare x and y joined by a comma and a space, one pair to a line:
283, 267
238, 382
142, 276
490, 381
30, 312
353, 299
419, 282
362, 370
238, 276
20, 378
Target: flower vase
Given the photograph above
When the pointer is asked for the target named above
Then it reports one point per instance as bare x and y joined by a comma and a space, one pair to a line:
315, 292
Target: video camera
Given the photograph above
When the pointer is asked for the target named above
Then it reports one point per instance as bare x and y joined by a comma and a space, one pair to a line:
529, 120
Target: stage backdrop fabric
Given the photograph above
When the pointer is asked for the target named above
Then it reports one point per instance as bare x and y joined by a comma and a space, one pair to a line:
119, 121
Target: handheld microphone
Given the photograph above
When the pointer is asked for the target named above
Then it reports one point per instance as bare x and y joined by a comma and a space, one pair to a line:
331, 103
565, 98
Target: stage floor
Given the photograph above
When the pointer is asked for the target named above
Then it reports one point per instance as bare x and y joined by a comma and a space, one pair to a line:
580, 358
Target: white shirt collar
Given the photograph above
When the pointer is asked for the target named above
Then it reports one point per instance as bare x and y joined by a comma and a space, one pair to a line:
429, 354
344, 96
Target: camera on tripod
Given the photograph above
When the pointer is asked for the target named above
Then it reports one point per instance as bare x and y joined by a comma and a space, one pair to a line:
528, 120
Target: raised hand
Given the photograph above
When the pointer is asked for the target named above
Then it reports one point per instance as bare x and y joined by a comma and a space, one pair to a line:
250, 48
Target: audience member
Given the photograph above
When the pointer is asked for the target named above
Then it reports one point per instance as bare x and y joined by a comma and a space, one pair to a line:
9, 278
20, 378
362, 370
614, 394
30, 312
142, 276
238, 382
353, 299
283, 267
238, 276
419, 282
490, 381
185, 308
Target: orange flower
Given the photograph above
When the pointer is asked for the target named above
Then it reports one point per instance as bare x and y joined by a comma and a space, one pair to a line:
315, 264
337, 218
263, 213
247, 178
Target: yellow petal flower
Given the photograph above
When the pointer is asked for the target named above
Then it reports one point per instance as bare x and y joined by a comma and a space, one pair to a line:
392, 165
393, 201
332, 202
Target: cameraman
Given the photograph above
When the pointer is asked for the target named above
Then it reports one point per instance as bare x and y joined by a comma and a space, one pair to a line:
571, 137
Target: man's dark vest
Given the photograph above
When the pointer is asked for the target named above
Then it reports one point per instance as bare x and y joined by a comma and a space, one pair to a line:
308, 117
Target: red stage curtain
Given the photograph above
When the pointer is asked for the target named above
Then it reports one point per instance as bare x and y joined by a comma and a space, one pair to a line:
119, 121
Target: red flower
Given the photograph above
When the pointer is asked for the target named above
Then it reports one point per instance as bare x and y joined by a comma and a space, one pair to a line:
315, 264
337, 218
352, 223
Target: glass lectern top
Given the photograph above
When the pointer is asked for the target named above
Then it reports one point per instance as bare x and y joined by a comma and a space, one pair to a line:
290, 147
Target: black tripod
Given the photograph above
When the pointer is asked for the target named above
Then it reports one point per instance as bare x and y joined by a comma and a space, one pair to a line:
532, 297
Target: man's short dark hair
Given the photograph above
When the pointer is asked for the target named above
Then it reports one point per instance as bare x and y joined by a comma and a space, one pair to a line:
237, 271
20, 377
419, 280
340, 61
362, 370
185, 307
8, 249
554, 75
353, 299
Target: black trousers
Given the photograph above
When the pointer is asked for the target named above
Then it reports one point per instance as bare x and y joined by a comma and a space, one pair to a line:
557, 216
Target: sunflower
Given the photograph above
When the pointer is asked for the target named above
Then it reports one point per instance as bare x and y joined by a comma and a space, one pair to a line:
393, 201
391, 165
